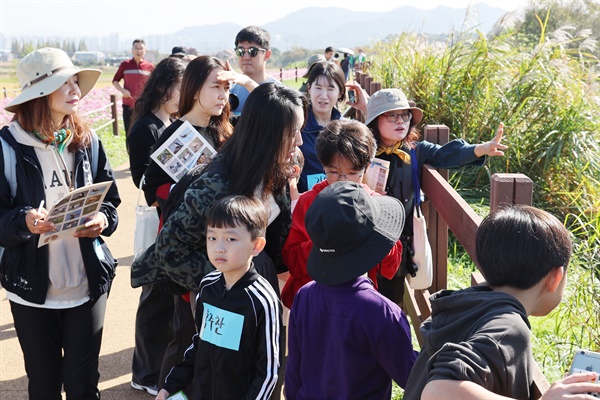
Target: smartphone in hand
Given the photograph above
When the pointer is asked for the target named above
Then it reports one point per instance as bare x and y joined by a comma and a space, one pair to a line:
586, 361
351, 96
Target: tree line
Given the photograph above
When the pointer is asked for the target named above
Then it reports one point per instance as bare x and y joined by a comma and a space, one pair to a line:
22, 48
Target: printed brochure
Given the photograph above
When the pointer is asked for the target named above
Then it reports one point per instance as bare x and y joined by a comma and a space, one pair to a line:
185, 149
73, 210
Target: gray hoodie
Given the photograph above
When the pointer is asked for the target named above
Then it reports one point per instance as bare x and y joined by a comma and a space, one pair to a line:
476, 335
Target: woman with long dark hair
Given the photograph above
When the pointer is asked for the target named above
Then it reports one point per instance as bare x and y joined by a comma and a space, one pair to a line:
254, 161
154, 111
204, 103
57, 292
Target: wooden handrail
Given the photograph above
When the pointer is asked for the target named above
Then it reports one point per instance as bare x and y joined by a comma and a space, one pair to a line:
452, 208
445, 208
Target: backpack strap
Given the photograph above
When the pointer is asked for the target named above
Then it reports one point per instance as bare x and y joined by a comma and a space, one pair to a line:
415, 176
10, 164
95, 146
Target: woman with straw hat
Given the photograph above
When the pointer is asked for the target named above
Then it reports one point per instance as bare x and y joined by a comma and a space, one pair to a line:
58, 291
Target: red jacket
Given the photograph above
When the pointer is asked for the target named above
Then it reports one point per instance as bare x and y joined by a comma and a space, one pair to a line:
298, 245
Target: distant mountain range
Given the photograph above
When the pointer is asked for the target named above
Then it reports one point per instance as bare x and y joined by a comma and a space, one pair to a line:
316, 28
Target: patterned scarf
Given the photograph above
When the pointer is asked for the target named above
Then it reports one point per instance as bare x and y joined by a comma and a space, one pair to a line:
395, 149
60, 139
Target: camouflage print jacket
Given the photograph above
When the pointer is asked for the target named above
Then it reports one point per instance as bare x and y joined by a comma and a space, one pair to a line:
179, 254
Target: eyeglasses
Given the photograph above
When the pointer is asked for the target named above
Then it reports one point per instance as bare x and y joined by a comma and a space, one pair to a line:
351, 176
252, 51
392, 118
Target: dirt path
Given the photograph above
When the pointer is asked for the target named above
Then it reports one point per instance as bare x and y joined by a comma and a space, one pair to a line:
118, 338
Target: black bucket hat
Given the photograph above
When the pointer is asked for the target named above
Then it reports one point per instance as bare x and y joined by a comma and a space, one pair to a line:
351, 231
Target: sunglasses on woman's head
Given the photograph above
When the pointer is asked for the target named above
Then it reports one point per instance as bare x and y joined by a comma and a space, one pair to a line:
252, 51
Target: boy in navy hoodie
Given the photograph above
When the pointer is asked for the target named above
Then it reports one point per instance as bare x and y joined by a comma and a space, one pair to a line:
476, 342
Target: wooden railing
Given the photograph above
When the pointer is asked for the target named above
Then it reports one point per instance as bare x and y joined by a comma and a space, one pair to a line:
445, 209
113, 113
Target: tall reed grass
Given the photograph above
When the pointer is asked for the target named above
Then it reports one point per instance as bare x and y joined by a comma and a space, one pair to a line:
548, 97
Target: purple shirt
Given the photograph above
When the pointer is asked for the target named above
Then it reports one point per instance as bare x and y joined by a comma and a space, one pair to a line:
346, 342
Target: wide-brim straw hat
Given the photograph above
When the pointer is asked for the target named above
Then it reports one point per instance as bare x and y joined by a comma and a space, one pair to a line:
351, 232
43, 71
386, 100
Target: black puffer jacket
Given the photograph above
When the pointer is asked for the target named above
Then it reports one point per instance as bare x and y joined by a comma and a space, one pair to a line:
24, 266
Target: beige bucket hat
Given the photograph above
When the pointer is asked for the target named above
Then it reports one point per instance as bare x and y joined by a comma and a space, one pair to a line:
385, 100
43, 71
315, 58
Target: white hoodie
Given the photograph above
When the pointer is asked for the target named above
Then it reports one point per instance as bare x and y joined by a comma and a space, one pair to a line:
67, 279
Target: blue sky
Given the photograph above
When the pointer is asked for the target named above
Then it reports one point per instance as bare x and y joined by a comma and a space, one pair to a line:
142, 17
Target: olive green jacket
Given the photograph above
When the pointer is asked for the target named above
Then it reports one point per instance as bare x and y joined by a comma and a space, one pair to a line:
179, 254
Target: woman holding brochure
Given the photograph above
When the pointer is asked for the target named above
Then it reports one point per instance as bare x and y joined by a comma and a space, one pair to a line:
58, 291
204, 103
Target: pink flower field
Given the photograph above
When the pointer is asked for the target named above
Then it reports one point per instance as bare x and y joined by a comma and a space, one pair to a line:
94, 101
91, 106
288, 74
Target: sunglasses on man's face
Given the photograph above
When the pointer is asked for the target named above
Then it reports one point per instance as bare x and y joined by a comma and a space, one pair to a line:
252, 51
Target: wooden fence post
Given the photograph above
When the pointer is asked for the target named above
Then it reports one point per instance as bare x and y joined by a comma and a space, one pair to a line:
509, 189
437, 228
367, 85
374, 87
357, 76
362, 81
113, 111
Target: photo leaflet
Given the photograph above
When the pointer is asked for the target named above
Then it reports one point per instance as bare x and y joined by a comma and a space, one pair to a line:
185, 149
377, 174
72, 211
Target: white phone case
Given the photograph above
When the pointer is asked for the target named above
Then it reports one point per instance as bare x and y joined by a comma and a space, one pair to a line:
585, 361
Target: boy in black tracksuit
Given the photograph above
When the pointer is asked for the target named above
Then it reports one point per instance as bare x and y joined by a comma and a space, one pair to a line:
236, 353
